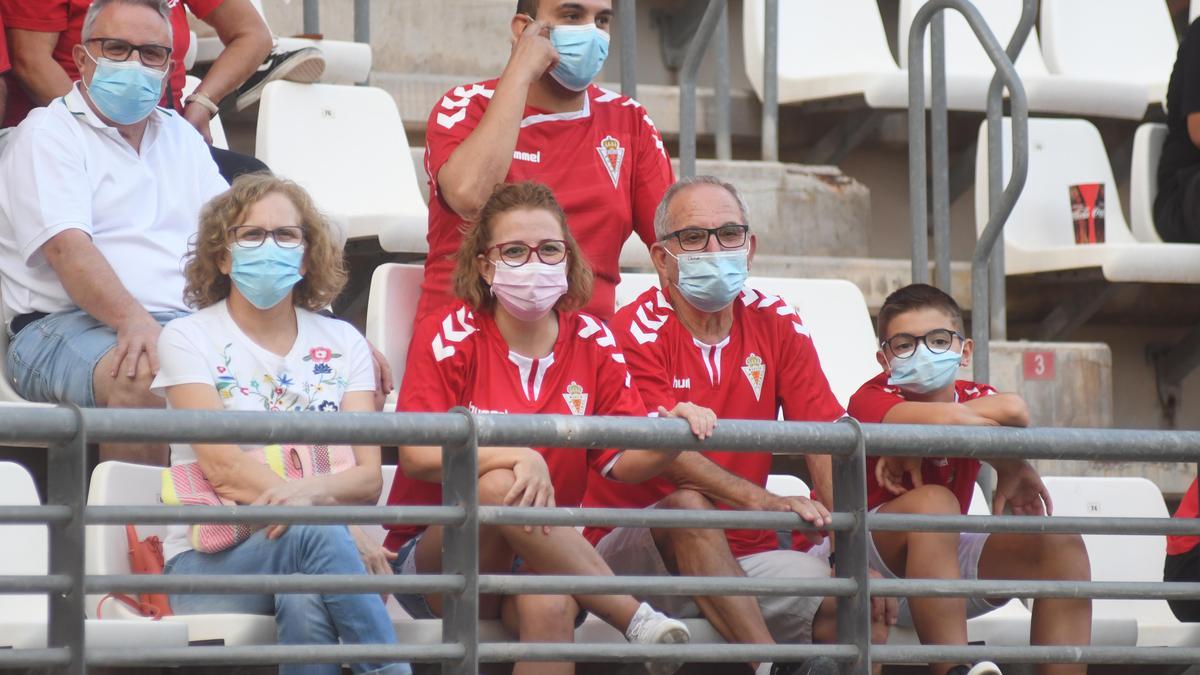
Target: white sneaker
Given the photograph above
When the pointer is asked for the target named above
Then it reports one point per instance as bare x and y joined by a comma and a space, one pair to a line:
649, 627
984, 668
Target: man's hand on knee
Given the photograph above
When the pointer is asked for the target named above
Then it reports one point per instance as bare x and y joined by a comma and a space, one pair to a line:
136, 337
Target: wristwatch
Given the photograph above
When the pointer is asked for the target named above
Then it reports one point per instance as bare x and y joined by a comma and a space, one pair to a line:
204, 102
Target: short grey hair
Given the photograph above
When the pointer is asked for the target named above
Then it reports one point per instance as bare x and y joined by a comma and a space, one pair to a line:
662, 217
98, 6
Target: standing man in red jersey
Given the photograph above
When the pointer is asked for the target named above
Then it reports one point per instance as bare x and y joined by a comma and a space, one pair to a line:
544, 120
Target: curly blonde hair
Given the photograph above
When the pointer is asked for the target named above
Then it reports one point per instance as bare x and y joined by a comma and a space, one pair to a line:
206, 284
469, 284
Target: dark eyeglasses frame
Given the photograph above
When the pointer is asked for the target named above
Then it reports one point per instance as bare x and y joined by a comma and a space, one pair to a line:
270, 233
132, 48
922, 339
712, 232
533, 250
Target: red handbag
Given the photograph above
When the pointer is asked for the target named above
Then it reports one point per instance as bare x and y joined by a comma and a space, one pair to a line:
145, 557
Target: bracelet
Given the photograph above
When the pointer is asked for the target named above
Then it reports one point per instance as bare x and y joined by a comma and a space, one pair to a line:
204, 102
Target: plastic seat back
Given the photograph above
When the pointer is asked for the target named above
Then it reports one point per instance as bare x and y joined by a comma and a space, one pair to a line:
347, 146
1117, 557
964, 52
786, 485
1127, 40
392, 311
26, 548
1062, 153
833, 310
1143, 180
824, 48
119, 483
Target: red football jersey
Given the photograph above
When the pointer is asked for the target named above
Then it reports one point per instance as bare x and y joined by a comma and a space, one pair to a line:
65, 17
605, 164
1188, 508
875, 398
767, 362
460, 358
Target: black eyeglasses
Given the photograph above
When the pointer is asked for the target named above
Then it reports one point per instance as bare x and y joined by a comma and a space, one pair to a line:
116, 49
938, 341
252, 236
729, 235
517, 253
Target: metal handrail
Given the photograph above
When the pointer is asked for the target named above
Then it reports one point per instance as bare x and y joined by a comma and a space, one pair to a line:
1001, 205
461, 583
687, 85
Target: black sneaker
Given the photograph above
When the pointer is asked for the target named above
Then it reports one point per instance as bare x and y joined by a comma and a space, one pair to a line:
305, 65
819, 665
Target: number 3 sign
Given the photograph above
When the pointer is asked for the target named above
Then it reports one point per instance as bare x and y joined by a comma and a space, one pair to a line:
1039, 366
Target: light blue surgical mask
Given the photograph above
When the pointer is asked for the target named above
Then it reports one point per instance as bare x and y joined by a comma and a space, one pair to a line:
709, 281
582, 51
266, 274
924, 371
125, 92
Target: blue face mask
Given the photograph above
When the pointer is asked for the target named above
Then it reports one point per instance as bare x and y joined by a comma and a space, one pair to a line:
710, 281
582, 51
265, 275
924, 371
125, 92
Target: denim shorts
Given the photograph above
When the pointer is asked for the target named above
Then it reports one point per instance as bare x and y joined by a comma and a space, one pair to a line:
52, 359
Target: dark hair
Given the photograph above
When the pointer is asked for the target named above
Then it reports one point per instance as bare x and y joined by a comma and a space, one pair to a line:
528, 7
913, 297
469, 284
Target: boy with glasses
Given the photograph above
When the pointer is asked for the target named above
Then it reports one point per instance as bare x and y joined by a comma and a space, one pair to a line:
921, 349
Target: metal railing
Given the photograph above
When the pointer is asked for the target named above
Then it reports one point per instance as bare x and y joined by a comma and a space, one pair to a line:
987, 262
67, 431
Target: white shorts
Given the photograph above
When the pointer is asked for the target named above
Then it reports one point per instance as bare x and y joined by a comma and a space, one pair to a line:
631, 551
970, 547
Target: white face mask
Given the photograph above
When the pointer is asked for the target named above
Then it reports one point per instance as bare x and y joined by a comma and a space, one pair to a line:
530, 291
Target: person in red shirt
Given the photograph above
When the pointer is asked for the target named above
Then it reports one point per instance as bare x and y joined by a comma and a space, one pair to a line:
703, 338
1183, 557
515, 345
921, 349
542, 120
44, 34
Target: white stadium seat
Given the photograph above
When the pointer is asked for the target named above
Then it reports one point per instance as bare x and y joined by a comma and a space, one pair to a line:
119, 483
829, 50
837, 49
834, 311
967, 62
1124, 557
345, 62
1130, 41
23, 618
787, 485
1143, 180
1009, 624
215, 128
391, 314
1039, 234
346, 145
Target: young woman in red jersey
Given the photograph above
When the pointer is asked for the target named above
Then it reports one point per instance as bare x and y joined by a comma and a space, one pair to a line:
515, 345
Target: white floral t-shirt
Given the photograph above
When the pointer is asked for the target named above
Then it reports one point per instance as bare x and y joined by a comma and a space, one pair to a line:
328, 359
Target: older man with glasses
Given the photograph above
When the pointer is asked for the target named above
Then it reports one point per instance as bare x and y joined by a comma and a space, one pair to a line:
102, 191
702, 337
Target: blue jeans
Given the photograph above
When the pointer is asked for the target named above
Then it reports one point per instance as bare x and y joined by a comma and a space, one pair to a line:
301, 619
52, 359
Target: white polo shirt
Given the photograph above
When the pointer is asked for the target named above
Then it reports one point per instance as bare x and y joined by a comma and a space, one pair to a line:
66, 169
